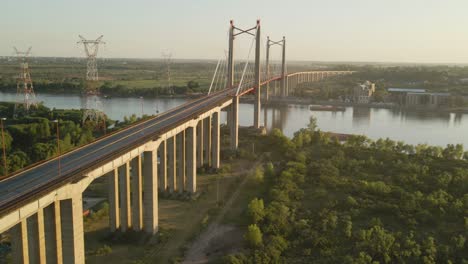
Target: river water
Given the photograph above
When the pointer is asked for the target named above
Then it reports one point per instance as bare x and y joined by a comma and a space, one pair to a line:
412, 127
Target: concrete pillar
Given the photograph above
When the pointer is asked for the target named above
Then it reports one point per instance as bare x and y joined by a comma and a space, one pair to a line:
230, 70
53, 233
36, 242
124, 191
114, 209
234, 123
191, 148
258, 93
267, 68
207, 141
171, 164
228, 116
150, 198
162, 169
137, 194
200, 144
284, 80
215, 145
19, 243
71, 211
181, 161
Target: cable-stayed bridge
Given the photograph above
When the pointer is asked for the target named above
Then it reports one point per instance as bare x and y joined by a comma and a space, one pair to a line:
42, 208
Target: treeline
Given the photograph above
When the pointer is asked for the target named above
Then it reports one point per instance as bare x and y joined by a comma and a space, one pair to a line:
32, 137
361, 201
106, 88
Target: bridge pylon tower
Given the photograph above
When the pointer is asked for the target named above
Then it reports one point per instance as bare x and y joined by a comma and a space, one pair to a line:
25, 96
233, 33
92, 106
281, 43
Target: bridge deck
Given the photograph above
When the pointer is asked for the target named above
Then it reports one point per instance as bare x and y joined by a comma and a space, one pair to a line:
27, 185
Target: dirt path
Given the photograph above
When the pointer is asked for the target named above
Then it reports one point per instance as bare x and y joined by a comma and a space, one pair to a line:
197, 252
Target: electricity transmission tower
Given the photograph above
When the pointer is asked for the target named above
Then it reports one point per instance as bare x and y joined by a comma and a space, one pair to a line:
25, 96
93, 107
167, 57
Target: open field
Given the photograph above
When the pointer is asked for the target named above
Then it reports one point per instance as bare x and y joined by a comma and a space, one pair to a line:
180, 221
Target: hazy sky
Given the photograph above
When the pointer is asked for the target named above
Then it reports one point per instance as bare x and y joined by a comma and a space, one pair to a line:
331, 30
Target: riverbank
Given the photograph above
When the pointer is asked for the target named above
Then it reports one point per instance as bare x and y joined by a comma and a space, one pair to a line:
285, 101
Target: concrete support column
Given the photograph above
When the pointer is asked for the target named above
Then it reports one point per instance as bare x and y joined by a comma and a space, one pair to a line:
228, 116
284, 79
162, 169
181, 161
124, 191
234, 123
215, 145
258, 93
53, 233
200, 144
191, 148
171, 164
137, 194
71, 211
19, 243
36, 243
150, 198
114, 209
207, 141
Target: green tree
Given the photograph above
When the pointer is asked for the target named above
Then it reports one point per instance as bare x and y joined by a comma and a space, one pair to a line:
253, 236
256, 210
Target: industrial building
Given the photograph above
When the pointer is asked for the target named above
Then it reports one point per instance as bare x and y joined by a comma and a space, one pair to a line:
418, 97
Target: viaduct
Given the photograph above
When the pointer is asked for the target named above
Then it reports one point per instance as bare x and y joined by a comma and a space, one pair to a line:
42, 208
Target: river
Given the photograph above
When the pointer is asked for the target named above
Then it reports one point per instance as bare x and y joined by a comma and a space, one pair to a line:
412, 127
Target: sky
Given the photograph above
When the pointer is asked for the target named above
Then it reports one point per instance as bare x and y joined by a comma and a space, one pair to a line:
426, 31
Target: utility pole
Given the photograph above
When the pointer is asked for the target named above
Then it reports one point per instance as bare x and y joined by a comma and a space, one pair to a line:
167, 57
4, 147
25, 95
93, 107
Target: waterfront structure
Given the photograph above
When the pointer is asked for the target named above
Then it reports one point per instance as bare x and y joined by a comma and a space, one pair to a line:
412, 97
363, 92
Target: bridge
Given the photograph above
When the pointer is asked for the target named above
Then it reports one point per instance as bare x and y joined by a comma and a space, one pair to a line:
42, 207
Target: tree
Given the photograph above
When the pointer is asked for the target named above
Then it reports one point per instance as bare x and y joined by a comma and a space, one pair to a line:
256, 210
253, 236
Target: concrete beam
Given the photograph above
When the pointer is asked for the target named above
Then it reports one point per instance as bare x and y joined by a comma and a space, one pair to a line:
19, 243
190, 139
36, 243
207, 141
234, 126
150, 198
200, 144
72, 230
181, 161
215, 146
162, 173
53, 233
114, 209
137, 194
124, 192
171, 166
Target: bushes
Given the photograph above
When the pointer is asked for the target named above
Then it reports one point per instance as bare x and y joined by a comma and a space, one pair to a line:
359, 202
